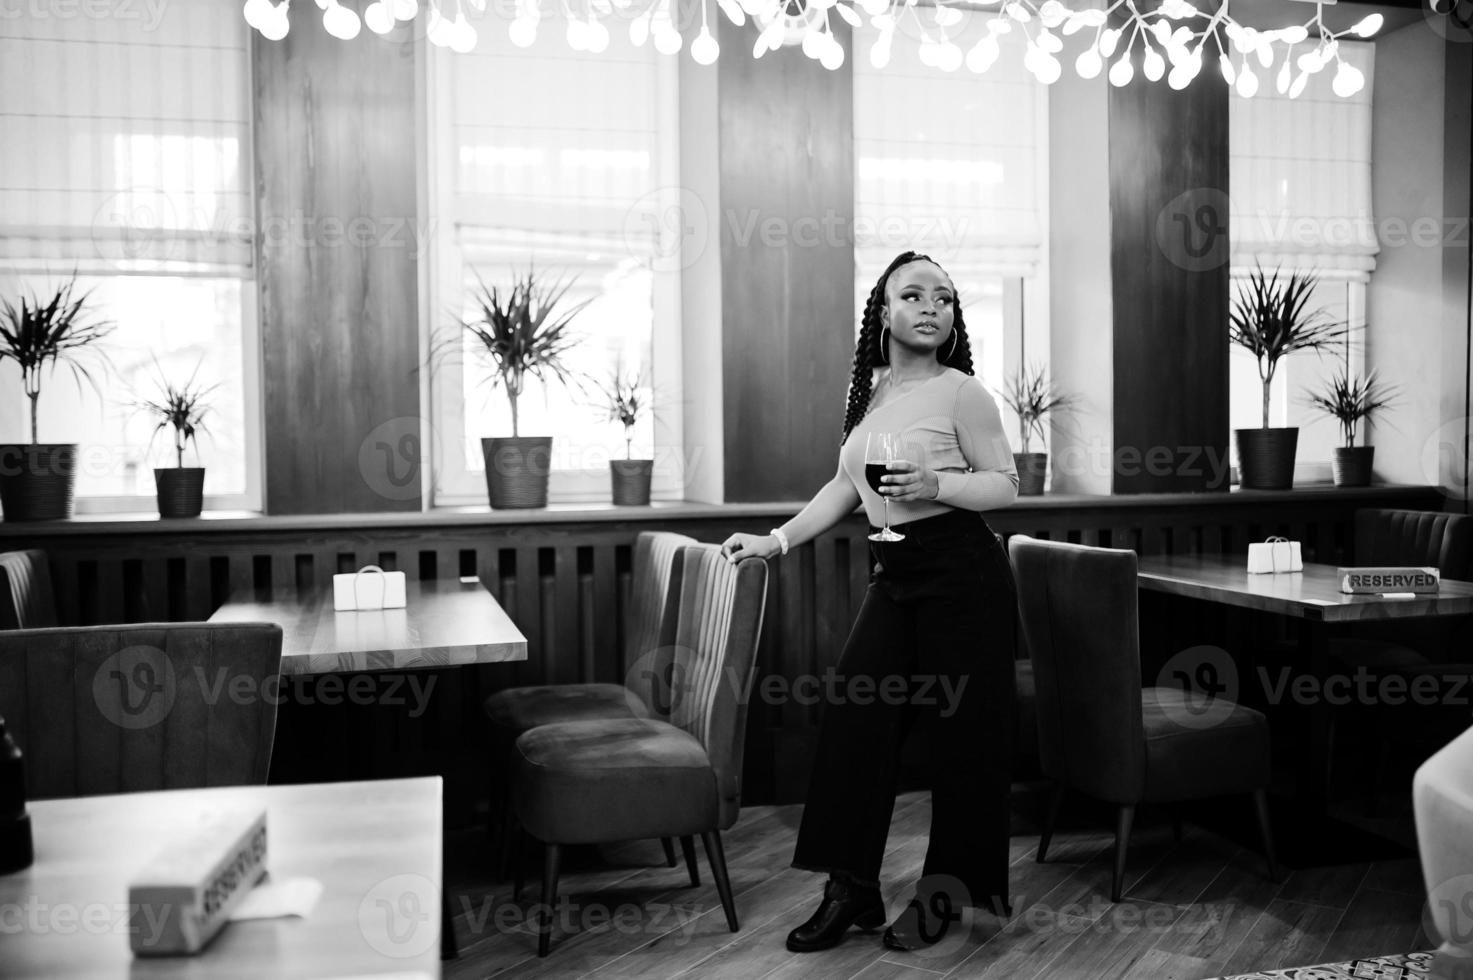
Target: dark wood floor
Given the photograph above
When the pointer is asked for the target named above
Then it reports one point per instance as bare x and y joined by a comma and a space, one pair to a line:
1200, 908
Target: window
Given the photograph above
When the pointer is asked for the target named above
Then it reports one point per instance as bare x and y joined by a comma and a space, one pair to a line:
126, 162
543, 158
954, 165
1301, 199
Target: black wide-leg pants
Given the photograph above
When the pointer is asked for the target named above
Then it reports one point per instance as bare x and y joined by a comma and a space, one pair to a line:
934, 639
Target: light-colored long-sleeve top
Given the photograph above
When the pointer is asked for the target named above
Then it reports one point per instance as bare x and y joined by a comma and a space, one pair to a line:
950, 424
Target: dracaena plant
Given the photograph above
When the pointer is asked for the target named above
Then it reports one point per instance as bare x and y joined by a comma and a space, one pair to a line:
1349, 400
182, 408
1032, 397
624, 397
38, 334
1271, 319
520, 330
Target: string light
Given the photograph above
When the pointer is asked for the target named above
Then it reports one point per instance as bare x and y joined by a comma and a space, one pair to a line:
1173, 38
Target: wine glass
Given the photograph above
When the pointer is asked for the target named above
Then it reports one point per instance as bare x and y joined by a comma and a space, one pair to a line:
881, 449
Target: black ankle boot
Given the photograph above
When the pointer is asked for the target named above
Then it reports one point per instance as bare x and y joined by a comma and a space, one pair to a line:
917, 927
845, 903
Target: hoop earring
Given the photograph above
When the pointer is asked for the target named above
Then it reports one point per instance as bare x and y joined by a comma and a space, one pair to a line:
953, 347
884, 348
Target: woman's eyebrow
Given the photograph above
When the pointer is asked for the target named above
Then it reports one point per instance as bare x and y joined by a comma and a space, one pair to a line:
916, 285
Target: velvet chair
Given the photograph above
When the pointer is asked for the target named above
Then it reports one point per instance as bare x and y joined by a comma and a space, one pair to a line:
26, 599
1442, 799
649, 629
1099, 732
120, 709
589, 782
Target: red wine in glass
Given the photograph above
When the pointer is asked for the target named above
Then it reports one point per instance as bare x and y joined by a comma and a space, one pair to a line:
880, 450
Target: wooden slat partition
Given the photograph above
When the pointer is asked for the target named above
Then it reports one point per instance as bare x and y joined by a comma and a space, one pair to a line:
564, 578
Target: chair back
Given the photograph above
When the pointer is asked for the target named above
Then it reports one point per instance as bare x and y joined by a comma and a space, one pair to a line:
1079, 615
654, 604
720, 623
26, 599
1442, 801
119, 709
1415, 537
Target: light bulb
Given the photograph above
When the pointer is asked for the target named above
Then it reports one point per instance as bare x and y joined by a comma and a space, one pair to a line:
575, 33
1367, 26
1226, 64
1282, 82
257, 12
1108, 41
1181, 76
704, 49
1046, 68
949, 58
1293, 35
462, 36
875, 7
1017, 11
983, 54
523, 31
879, 55
667, 41
1122, 71
276, 27
1089, 63
639, 31
598, 37
1247, 82
733, 12
832, 57
1049, 42
406, 9
813, 44
441, 33
1265, 53
1348, 80
1154, 65
1297, 89
1309, 62
341, 22
929, 53
379, 18
1052, 13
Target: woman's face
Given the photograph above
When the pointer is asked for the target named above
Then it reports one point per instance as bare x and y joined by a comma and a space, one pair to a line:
919, 302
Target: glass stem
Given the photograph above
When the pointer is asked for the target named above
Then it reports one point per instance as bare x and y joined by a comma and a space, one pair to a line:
887, 513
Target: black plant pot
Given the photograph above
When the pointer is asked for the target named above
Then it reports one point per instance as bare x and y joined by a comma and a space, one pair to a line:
181, 490
37, 480
1352, 465
516, 470
1266, 458
1032, 468
631, 481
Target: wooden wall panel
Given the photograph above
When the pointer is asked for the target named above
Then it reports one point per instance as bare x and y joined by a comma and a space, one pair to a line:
787, 266
1169, 272
336, 209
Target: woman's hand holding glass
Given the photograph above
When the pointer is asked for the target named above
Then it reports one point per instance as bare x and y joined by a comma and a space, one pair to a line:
908, 480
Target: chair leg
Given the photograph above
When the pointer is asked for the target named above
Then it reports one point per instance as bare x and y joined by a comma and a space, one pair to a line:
688, 845
1123, 820
717, 857
551, 857
1260, 804
1051, 815
669, 851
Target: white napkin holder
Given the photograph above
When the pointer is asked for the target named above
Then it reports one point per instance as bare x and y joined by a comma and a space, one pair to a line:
1274, 555
368, 588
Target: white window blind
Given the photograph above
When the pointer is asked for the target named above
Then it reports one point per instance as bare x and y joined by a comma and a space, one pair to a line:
947, 163
544, 158
126, 140
1300, 176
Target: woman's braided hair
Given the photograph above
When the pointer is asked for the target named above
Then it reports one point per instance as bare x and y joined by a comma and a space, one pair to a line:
868, 353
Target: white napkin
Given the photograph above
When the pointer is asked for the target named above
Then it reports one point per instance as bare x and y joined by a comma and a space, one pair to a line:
278, 899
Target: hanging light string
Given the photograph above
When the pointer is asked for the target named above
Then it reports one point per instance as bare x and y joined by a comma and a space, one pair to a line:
1166, 34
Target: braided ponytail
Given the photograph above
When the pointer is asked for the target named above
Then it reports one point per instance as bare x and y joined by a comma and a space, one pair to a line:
869, 351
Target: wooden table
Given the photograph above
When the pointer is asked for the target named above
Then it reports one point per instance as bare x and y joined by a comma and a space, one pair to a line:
375, 846
444, 624
1312, 595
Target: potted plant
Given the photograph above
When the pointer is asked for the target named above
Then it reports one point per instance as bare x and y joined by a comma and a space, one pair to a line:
1032, 397
181, 489
1349, 400
38, 480
518, 333
624, 397
1270, 319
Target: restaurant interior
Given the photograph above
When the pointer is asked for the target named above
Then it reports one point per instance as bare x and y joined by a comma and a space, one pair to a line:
461, 336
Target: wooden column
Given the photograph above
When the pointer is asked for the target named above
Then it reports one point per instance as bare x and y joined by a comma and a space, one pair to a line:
1168, 165
337, 248
786, 208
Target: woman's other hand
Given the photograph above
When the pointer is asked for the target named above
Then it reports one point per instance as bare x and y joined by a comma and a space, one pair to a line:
909, 480
740, 546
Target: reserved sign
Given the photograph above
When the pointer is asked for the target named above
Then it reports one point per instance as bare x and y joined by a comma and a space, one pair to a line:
1362, 581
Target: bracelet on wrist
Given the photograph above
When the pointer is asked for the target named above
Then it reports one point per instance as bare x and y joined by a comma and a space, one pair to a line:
782, 539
